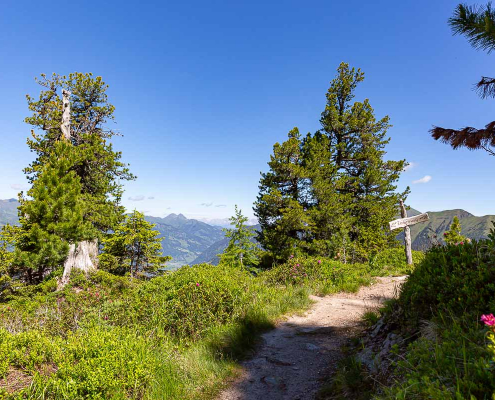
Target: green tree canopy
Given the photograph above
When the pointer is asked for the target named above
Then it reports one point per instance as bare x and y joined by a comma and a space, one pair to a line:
332, 193
282, 201
241, 251
453, 235
52, 216
134, 247
97, 165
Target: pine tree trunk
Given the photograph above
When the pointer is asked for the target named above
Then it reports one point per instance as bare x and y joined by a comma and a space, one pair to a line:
84, 258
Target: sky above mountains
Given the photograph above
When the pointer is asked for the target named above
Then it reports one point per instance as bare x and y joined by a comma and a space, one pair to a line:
204, 89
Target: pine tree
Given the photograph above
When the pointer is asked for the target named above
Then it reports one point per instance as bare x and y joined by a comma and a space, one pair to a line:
365, 182
241, 250
477, 23
96, 164
134, 247
52, 217
332, 193
281, 205
453, 235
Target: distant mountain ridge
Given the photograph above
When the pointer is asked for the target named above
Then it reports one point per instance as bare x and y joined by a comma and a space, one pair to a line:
425, 234
190, 241
185, 239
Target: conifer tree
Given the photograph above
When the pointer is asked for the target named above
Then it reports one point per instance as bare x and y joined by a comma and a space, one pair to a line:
52, 216
364, 180
281, 205
241, 251
453, 235
332, 193
97, 165
134, 247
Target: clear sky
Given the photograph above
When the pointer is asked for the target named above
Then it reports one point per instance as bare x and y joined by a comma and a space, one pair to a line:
203, 89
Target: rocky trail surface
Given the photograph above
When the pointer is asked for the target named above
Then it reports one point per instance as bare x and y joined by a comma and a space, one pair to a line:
293, 358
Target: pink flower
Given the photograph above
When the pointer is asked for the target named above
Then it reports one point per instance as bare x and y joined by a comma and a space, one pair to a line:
106, 317
292, 256
462, 243
445, 234
197, 284
297, 265
319, 261
489, 319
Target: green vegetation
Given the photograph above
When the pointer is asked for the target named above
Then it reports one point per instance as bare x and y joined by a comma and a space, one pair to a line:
453, 235
52, 217
133, 248
332, 193
177, 336
447, 352
241, 250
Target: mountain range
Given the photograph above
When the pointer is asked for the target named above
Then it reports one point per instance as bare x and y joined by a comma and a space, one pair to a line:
425, 234
190, 241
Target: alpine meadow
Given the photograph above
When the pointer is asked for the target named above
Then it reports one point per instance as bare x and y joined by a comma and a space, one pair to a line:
149, 260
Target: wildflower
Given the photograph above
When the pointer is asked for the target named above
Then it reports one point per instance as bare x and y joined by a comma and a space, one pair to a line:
319, 261
292, 256
461, 243
489, 319
106, 317
297, 265
197, 284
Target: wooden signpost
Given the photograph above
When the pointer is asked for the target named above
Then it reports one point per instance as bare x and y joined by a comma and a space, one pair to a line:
405, 222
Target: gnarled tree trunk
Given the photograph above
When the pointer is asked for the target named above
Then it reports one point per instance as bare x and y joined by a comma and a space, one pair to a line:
83, 257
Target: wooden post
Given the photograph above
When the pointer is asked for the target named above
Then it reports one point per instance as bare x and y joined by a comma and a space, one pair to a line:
407, 235
405, 222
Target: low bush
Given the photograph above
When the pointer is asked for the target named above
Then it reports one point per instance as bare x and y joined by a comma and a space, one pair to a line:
449, 354
393, 262
320, 274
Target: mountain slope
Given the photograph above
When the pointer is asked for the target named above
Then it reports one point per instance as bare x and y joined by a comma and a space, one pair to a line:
210, 255
8, 211
425, 234
185, 239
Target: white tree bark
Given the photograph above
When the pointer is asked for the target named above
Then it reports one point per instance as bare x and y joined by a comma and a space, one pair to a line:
84, 258
65, 127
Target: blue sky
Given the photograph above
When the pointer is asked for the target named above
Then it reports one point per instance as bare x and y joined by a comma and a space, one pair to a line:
204, 89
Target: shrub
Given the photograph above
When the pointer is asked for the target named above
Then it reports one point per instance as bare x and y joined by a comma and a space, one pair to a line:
321, 274
442, 302
393, 262
458, 278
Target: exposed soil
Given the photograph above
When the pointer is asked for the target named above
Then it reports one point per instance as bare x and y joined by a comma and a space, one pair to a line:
293, 358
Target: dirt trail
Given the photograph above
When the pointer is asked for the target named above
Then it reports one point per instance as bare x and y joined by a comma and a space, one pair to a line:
293, 358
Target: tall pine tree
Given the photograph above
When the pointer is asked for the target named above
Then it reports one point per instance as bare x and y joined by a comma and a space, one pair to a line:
281, 206
97, 165
366, 181
332, 193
